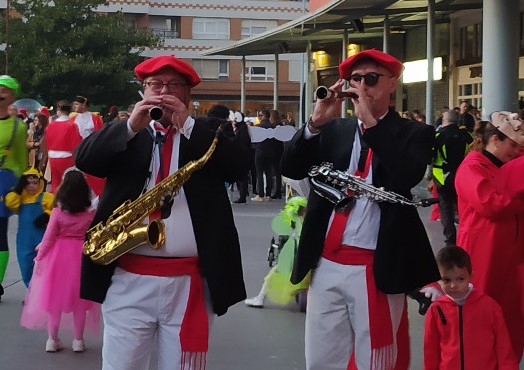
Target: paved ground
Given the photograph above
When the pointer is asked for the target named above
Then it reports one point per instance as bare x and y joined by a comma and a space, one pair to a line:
243, 339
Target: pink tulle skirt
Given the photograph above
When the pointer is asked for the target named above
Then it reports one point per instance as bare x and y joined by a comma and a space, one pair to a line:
55, 288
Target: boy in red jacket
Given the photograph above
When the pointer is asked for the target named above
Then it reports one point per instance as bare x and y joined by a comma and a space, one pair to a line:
464, 328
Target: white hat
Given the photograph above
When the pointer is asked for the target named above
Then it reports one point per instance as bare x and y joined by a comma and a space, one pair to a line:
510, 125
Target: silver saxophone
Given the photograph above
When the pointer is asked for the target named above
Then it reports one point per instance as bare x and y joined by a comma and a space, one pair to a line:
334, 185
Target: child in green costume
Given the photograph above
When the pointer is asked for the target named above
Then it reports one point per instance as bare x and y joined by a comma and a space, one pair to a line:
277, 287
13, 160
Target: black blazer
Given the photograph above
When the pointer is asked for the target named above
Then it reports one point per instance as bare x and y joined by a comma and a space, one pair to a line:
125, 165
401, 151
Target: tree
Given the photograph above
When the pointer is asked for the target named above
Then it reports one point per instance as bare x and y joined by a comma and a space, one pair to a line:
62, 48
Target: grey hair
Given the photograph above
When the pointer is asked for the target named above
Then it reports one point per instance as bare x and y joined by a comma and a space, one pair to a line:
452, 116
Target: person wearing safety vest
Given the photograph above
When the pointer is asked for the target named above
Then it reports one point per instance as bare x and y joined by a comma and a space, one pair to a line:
451, 146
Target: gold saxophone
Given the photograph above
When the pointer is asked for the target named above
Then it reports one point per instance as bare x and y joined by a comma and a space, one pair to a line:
124, 231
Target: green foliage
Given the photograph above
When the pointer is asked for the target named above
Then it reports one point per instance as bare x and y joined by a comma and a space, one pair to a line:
62, 48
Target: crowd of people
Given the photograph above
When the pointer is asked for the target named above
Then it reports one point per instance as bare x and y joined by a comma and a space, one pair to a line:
357, 263
264, 177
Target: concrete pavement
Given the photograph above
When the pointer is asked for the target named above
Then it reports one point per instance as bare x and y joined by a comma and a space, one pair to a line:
244, 339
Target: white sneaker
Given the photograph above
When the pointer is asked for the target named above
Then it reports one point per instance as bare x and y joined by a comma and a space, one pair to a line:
79, 345
257, 302
257, 199
53, 345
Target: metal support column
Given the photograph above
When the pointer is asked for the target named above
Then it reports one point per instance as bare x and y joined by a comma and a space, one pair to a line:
430, 119
275, 84
500, 56
243, 85
345, 40
309, 82
386, 36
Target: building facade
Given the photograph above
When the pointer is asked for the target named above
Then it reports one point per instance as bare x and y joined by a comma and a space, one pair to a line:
187, 28
458, 43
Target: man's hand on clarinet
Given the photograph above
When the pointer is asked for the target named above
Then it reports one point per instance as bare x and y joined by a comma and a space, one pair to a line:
363, 104
175, 111
140, 118
328, 108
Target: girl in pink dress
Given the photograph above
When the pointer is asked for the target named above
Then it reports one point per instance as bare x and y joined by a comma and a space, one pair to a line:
54, 292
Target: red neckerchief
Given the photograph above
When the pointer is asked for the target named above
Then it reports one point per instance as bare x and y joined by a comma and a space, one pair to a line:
338, 225
166, 151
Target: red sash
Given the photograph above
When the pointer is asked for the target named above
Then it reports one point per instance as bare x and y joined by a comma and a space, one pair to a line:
380, 325
194, 333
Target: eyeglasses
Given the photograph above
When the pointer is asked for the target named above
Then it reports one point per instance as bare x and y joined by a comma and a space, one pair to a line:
171, 86
370, 79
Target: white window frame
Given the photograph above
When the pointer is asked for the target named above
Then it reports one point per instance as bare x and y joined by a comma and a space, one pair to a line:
211, 29
475, 98
219, 68
253, 67
252, 27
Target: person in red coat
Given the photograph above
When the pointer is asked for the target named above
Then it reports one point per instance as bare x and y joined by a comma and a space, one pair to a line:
489, 222
465, 328
62, 137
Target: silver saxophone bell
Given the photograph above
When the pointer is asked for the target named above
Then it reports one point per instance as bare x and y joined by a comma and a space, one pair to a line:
322, 92
156, 113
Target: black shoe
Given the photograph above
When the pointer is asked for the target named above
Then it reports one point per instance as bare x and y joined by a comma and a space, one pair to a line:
239, 201
276, 196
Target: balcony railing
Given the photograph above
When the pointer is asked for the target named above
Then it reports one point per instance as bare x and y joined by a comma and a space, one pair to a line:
165, 34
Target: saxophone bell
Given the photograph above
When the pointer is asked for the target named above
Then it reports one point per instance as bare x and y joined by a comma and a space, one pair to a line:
343, 202
152, 234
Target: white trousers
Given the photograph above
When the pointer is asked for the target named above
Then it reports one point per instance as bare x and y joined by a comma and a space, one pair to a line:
141, 311
337, 318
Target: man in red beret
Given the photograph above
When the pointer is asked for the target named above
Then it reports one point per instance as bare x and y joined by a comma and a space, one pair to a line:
167, 297
364, 259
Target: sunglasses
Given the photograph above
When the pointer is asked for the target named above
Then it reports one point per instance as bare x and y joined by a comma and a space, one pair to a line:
370, 79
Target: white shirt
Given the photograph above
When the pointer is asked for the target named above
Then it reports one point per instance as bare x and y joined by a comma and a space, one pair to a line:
85, 123
180, 235
364, 219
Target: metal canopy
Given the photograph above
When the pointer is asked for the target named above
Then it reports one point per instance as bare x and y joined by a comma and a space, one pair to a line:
363, 19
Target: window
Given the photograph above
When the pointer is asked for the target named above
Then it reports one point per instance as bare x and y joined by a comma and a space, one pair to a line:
165, 27
212, 69
252, 27
470, 92
173, 27
211, 28
223, 69
260, 71
130, 24
471, 41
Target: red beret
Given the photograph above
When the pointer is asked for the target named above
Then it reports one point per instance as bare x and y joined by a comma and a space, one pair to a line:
155, 64
392, 64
